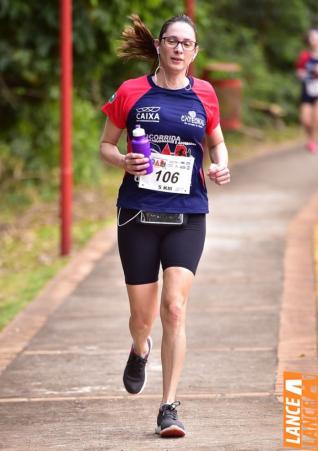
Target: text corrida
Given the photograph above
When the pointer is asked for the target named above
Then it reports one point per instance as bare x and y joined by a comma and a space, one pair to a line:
300, 411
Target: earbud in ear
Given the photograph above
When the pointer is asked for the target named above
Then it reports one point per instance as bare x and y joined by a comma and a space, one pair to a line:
193, 58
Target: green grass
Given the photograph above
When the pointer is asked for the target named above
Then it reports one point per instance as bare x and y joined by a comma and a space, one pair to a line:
30, 242
22, 286
26, 267
30, 263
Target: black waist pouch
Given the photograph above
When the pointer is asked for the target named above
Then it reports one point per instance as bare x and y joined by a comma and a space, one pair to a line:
148, 217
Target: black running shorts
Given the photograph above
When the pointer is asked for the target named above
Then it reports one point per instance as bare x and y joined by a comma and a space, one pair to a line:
142, 247
305, 97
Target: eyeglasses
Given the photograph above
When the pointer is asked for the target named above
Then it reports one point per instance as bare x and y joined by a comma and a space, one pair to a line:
173, 42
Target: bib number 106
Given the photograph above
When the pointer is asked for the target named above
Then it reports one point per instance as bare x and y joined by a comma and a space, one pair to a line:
167, 176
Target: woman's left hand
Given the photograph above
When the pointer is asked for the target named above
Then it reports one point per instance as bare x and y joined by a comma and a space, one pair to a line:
219, 174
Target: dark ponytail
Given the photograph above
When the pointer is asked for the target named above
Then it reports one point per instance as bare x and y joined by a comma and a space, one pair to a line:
137, 41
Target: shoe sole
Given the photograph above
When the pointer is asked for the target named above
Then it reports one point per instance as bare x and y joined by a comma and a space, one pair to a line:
141, 390
171, 431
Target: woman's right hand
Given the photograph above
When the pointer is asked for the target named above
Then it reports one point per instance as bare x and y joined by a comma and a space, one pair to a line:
135, 163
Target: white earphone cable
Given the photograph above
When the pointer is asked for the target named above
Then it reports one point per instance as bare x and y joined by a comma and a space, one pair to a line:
129, 220
188, 86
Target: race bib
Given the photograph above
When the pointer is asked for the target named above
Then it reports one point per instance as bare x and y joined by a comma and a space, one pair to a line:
170, 174
312, 88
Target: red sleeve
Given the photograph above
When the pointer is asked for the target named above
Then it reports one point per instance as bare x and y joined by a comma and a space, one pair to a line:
115, 109
120, 103
302, 59
206, 94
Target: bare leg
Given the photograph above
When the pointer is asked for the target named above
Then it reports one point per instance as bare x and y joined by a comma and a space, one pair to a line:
144, 308
315, 119
307, 119
177, 283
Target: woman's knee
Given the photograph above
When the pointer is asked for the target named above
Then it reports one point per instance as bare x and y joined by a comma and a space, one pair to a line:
316, 114
306, 115
173, 310
141, 321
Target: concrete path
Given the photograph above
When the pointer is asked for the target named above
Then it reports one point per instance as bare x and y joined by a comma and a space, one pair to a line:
64, 389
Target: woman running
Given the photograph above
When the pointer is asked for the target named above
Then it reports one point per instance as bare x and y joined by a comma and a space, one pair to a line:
307, 72
177, 112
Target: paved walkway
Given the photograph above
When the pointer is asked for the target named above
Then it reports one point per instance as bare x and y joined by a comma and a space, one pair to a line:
64, 389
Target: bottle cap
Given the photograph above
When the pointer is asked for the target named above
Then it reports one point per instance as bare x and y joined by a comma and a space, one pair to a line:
138, 131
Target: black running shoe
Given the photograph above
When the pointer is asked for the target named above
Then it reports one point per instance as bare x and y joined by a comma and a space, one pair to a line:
135, 374
168, 424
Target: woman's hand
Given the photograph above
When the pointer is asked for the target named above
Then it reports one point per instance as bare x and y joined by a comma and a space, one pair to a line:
135, 163
219, 174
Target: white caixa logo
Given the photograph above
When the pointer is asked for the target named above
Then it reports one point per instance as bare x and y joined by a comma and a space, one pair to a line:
191, 119
148, 114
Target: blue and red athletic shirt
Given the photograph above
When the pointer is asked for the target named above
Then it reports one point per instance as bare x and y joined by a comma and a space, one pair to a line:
175, 122
307, 62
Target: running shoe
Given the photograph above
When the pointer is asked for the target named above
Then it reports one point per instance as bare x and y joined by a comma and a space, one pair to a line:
312, 146
135, 374
168, 424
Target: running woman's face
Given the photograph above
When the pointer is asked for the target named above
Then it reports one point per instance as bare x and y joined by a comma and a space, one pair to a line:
313, 39
176, 57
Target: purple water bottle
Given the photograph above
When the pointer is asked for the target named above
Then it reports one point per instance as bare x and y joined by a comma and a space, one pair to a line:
141, 144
